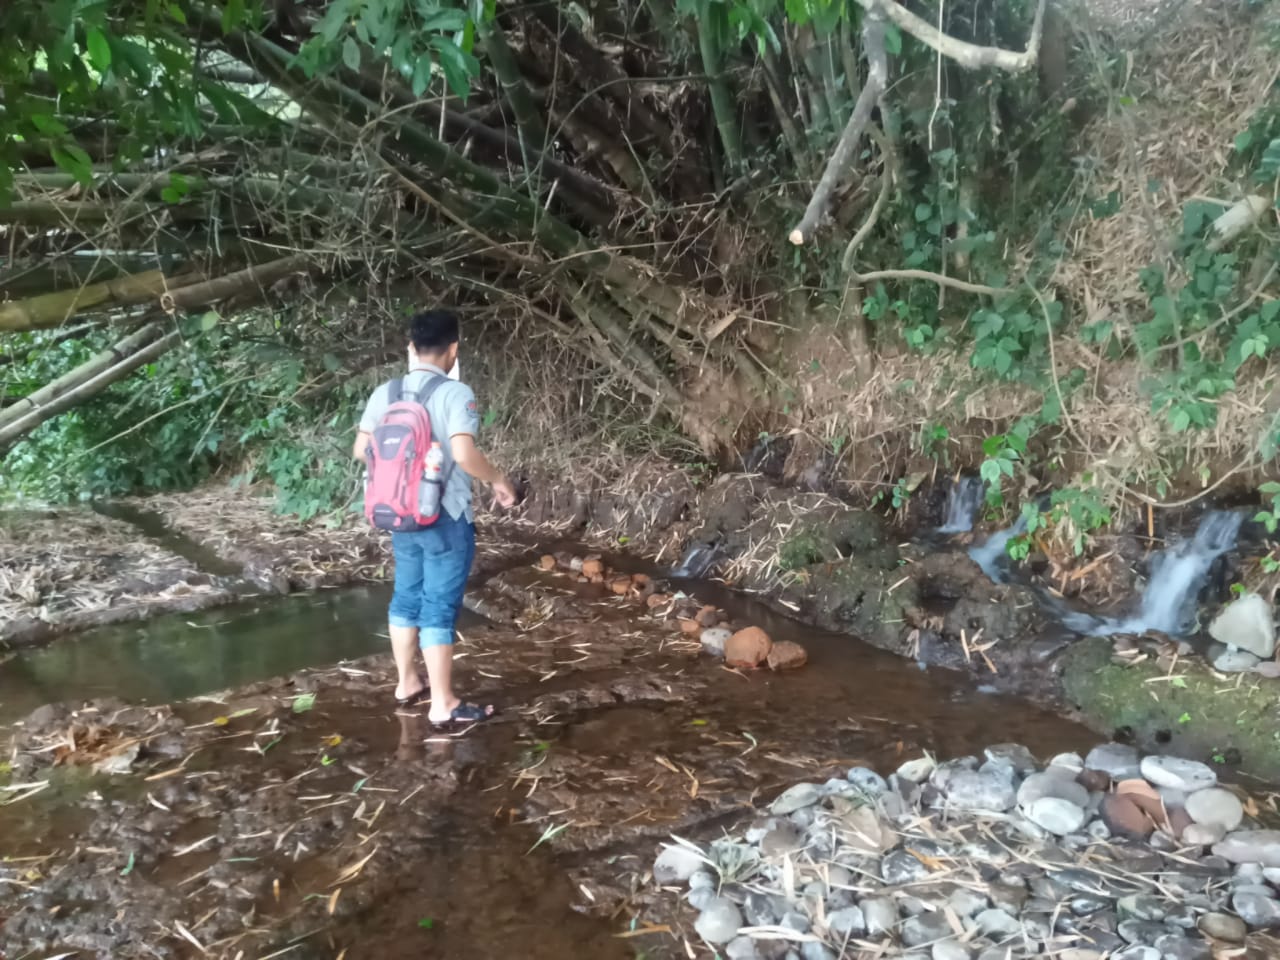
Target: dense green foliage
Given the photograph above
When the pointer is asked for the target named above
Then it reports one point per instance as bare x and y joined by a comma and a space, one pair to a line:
248, 403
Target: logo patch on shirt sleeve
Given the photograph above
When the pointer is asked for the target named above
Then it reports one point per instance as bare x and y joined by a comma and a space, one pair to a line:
471, 408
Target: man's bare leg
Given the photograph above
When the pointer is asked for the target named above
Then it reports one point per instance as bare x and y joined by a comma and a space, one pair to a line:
404, 644
439, 660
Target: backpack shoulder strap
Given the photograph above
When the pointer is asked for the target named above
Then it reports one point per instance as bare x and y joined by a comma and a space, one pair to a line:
395, 390
430, 387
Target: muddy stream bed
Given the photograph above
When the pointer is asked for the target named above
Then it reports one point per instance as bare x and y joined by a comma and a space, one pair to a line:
296, 814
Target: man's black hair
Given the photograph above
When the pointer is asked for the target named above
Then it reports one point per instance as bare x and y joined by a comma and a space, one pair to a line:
432, 331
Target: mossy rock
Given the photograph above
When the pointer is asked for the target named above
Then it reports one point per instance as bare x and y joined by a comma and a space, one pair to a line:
1195, 714
836, 535
861, 598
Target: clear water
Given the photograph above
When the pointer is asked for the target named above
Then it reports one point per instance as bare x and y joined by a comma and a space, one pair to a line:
175, 657
1168, 603
964, 499
991, 555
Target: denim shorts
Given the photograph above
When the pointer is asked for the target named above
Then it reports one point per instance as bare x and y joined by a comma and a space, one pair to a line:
432, 566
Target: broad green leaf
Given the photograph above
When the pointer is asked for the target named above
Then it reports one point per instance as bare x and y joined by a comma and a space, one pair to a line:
74, 161
304, 702
99, 49
47, 124
421, 75
444, 21
892, 40
351, 53
1243, 139
335, 18
1270, 166
232, 15
458, 67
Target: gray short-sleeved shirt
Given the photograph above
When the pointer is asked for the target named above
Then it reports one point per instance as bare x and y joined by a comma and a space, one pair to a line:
452, 409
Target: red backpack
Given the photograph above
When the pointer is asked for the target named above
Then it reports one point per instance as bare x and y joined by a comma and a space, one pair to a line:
397, 458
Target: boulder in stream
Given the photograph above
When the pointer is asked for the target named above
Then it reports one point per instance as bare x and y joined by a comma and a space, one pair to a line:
714, 639
747, 648
1247, 624
1217, 807
786, 655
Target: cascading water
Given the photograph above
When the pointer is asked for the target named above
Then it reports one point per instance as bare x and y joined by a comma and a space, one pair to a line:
963, 501
1177, 574
990, 555
1168, 603
696, 562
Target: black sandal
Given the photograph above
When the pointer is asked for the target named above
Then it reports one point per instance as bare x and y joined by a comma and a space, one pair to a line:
415, 698
465, 713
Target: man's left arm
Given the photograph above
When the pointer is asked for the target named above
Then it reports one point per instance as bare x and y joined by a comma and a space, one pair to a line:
368, 423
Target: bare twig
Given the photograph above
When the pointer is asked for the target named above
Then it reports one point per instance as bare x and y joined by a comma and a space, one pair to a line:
838, 163
937, 278
972, 56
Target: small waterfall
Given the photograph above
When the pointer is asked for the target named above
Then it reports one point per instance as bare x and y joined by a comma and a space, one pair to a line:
697, 560
963, 502
1168, 603
1177, 575
990, 555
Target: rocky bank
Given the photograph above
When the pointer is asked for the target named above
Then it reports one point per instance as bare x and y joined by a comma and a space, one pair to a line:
994, 857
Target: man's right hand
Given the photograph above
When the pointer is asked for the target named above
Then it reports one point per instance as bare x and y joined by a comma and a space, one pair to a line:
504, 493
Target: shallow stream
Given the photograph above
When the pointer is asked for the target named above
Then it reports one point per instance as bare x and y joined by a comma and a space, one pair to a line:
476, 877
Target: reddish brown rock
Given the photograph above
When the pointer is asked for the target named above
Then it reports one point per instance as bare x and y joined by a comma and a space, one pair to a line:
785, 655
548, 562
747, 648
596, 578
1124, 818
691, 627
641, 580
708, 616
592, 568
656, 600
621, 586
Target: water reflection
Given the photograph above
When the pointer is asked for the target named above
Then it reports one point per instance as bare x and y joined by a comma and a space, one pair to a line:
175, 657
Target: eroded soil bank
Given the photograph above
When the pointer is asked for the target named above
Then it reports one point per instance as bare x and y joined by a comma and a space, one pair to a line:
302, 814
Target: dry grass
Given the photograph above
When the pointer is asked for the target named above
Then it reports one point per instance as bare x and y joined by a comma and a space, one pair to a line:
54, 566
242, 526
1198, 74
1194, 84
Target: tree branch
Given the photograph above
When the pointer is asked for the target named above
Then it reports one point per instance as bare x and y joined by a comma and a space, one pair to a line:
87, 388
25, 406
838, 163
972, 56
937, 278
51, 309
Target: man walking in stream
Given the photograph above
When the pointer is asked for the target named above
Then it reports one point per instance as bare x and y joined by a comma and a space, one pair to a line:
433, 530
